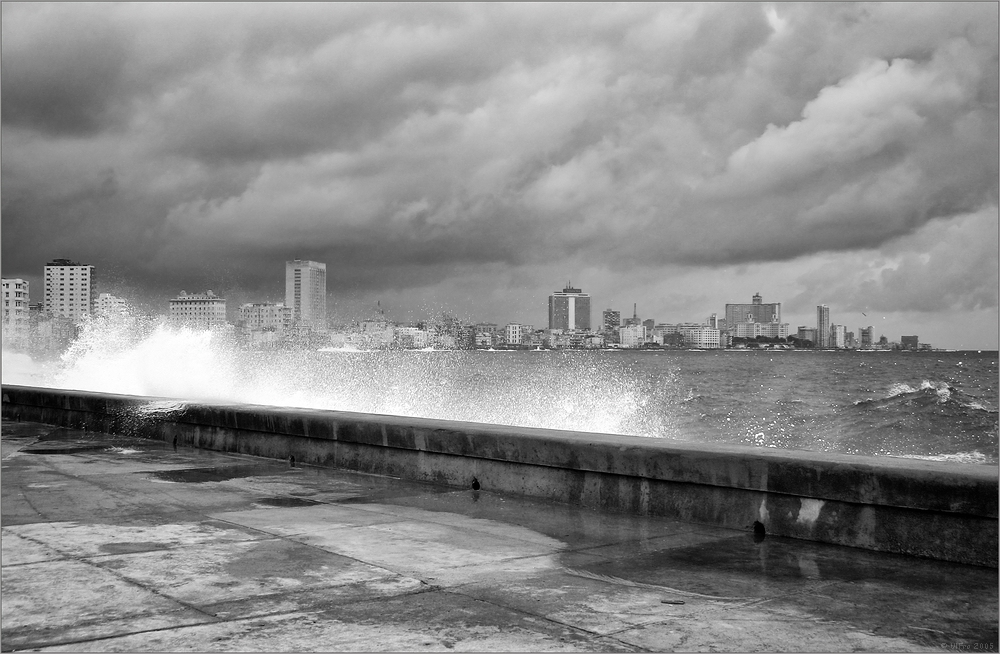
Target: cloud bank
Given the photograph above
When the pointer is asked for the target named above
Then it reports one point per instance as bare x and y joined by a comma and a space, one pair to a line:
204, 144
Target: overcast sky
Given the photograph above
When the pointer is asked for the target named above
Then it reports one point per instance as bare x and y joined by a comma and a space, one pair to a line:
473, 158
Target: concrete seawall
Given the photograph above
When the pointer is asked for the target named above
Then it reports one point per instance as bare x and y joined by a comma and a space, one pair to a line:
939, 510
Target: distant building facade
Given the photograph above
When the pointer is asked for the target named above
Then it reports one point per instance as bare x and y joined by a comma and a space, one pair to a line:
867, 336
756, 311
703, 337
305, 293
265, 317
569, 309
108, 304
838, 336
70, 289
15, 304
513, 334
202, 310
611, 320
909, 342
755, 329
632, 336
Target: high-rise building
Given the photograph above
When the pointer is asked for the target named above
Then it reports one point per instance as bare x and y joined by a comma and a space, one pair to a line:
822, 326
909, 342
201, 310
867, 336
70, 289
305, 293
612, 320
569, 309
838, 336
15, 303
757, 311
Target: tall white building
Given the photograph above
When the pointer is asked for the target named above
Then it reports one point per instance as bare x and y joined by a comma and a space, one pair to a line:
823, 326
70, 289
202, 310
305, 293
15, 304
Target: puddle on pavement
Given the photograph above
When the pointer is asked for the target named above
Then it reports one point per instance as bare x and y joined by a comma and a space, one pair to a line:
203, 475
67, 434
64, 447
132, 548
286, 501
65, 440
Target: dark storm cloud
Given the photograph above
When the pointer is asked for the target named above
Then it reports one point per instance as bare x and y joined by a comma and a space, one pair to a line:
62, 82
400, 143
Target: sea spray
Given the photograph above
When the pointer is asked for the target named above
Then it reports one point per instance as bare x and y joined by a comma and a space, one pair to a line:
560, 390
892, 405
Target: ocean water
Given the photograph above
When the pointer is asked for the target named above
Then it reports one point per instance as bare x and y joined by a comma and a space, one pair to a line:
934, 405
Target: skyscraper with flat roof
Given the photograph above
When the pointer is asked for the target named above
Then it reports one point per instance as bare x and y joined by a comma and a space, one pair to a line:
305, 293
569, 309
822, 326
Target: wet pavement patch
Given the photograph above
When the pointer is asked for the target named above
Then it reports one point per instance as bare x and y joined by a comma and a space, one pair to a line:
286, 501
132, 548
63, 447
203, 475
64, 440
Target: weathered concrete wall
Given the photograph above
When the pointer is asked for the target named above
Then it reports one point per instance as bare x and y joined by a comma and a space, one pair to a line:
939, 510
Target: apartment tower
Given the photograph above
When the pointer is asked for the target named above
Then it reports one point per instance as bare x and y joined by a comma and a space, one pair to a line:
569, 309
70, 289
822, 326
305, 293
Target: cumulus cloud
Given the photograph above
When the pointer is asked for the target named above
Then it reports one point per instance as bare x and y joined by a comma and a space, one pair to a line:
404, 144
945, 266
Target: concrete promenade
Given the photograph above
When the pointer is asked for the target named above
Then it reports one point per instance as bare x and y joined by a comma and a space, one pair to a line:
933, 509
125, 544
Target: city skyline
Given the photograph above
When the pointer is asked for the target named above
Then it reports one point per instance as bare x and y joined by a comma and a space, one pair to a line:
569, 309
468, 158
